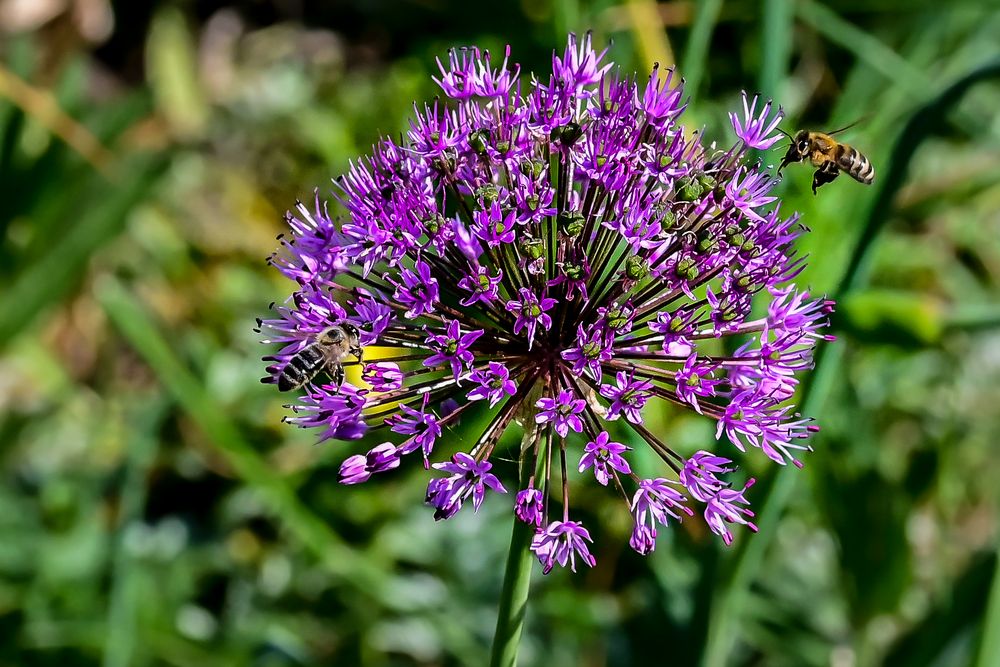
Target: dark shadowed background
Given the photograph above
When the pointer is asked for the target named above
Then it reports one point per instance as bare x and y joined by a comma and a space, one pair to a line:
154, 510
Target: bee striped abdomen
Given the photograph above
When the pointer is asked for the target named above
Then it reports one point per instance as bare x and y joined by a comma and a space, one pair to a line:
856, 163
301, 368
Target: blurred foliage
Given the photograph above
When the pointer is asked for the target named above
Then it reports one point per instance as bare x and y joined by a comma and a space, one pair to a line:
154, 510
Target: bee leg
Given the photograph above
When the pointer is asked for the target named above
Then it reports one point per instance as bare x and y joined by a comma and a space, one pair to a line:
790, 156
825, 174
337, 374
357, 352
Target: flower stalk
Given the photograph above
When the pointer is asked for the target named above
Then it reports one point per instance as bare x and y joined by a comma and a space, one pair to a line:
517, 574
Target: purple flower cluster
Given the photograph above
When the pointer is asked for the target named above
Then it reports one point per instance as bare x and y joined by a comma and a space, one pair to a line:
557, 250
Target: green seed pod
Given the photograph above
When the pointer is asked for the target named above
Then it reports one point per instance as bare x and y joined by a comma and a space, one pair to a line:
573, 271
688, 189
616, 319
734, 235
687, 269
570, 133
668, 221
532, 168
433, 224
636, 268
532, 247
728, 313
706, 182
479, 140
488, 193
745, 283
571, 223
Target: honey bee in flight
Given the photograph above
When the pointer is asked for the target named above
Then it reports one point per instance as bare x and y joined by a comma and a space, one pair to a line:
829, 156
325, 354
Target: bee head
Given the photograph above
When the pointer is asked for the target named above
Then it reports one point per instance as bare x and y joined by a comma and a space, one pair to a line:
798, 150
800, 142
351, 331
331, 336
353, 338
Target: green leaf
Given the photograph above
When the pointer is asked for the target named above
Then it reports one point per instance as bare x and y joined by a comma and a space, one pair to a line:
696, 54
173, 74
893, 316
776, 45
956, 612
54, 275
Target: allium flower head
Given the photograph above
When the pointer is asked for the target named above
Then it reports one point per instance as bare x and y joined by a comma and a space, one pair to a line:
558, 251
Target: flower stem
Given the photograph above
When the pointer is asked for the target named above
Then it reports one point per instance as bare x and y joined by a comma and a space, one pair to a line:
516, 579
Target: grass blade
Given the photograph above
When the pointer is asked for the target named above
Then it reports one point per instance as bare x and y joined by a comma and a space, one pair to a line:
650, 33
145, 420
776, 45
43, 107
52, 276
866, 47
706, 15
948, 622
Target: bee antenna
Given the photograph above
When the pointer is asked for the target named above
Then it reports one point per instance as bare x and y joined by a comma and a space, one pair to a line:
790, 139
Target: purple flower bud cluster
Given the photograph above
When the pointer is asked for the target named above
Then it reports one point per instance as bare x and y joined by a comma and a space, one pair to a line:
561, 252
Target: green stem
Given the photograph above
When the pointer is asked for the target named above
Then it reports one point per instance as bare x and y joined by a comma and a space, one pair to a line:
989, 647
124, 602
776, 45
706, 15
516, 578
973, 317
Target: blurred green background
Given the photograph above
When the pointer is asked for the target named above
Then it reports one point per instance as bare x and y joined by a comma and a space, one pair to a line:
154, 510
